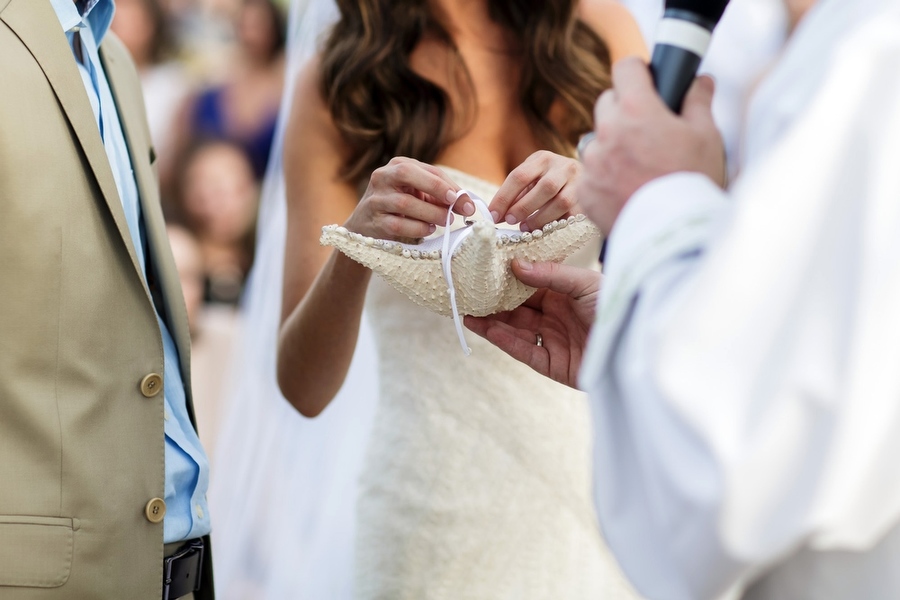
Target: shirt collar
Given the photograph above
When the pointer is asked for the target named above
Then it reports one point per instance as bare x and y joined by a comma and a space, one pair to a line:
75, 14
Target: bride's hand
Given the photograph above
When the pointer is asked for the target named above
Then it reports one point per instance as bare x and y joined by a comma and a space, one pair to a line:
405, 199
540, 190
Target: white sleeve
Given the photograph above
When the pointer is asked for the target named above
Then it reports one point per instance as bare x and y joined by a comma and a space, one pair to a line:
743, 370
650, 466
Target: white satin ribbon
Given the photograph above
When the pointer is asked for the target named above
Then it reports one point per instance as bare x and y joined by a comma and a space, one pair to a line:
447, 251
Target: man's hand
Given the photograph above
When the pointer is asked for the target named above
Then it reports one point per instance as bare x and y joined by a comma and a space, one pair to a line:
560, 312
638, 139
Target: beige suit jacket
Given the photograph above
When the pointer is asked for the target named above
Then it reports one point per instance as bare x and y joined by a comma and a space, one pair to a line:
81, 440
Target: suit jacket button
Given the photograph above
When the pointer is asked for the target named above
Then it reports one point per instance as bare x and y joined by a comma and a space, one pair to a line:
155, 510
151, 385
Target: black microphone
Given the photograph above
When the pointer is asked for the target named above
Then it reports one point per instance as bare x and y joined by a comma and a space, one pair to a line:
682, 39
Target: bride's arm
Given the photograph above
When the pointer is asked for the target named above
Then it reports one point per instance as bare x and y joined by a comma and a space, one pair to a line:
616, 27
324, 291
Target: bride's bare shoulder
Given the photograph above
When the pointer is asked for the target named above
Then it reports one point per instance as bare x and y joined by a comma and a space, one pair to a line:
310, 116
307, 97
616, 27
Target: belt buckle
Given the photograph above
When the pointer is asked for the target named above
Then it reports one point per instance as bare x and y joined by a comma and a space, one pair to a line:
179, 566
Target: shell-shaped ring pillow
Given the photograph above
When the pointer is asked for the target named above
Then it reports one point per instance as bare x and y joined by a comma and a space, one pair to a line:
465, 271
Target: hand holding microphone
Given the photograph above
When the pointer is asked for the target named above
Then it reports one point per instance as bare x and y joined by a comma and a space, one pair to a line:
654, 122
682, 41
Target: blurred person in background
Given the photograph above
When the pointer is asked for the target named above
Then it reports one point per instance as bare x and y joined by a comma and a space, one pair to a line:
143, 26
243, 108
217, 198
189, 263
204, 31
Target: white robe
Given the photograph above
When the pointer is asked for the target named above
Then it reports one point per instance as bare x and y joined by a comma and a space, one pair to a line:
745, 365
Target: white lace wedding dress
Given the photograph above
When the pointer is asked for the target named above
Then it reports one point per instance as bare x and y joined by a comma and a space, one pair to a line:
477, 479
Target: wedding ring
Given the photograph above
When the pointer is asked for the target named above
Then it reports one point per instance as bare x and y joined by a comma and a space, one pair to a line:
583, 142
538, 340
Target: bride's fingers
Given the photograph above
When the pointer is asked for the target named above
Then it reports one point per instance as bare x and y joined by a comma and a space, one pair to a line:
398, 226
439, 202
552, 197
409, 174
518, 183
461, 204
534, 183
563, 204
408, 205
405, 173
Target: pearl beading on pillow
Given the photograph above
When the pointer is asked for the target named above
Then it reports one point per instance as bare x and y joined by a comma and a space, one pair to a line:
464, 271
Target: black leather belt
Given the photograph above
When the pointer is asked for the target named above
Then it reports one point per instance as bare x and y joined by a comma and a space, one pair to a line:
182, 570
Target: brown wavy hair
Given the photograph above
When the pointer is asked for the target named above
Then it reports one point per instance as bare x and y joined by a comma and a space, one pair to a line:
383, 108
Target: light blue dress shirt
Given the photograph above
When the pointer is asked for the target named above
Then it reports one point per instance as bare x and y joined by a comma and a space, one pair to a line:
187, 467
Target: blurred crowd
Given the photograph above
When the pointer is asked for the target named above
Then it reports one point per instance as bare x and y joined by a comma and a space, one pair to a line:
212, 73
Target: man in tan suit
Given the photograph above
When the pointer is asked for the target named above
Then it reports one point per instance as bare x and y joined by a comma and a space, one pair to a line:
101, 473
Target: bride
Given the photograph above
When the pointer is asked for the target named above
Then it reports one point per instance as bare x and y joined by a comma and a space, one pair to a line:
475, 483
476, 480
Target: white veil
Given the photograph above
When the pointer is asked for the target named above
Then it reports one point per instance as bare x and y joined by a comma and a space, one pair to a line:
283, 491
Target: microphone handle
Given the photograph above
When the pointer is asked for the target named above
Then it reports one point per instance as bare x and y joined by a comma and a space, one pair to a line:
673, 70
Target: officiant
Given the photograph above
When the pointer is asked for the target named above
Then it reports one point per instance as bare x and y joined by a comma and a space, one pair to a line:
743, 361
